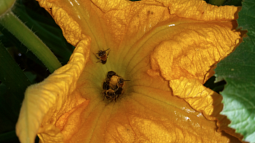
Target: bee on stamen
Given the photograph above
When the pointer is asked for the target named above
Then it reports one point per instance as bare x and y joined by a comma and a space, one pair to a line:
113, 86
119, 91
113, 82
110, 94
120, 82
110, 74
102, 56
106, 85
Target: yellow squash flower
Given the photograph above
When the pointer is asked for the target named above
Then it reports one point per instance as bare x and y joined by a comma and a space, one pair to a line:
167, 49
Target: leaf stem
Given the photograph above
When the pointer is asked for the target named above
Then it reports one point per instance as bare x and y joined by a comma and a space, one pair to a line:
30, 40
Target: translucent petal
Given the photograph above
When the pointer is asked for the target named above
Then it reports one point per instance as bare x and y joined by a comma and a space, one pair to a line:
51, 95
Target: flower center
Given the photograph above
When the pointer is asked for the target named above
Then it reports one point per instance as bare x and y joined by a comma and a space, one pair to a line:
113, 86
108, 82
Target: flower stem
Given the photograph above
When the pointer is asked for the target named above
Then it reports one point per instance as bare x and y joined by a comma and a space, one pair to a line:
216, 2
30, 40
11, 75
6, 5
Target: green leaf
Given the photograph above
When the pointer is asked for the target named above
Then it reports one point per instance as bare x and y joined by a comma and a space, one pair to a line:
216, 2
11, 75
225, 2
238, 71
233, 2
8, 118
9, 137
31, 76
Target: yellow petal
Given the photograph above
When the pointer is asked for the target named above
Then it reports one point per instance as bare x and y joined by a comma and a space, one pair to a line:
202, 99
187, 59
199, 10
147, 114
198, 96
194, 48
118, 23
53, 91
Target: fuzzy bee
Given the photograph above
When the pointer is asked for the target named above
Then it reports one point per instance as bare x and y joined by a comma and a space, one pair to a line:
115, 80
119, 91
102, 56
111, 95
120, 82
113, 86
110, 74
106, 85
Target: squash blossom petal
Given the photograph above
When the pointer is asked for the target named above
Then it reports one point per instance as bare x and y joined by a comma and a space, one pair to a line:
167, 49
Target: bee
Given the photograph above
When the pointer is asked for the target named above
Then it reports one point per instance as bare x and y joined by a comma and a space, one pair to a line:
106, 85
113, 86
119, 91
120, 82
113, 82
102, 56
110, 74
110, 94
116, 82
